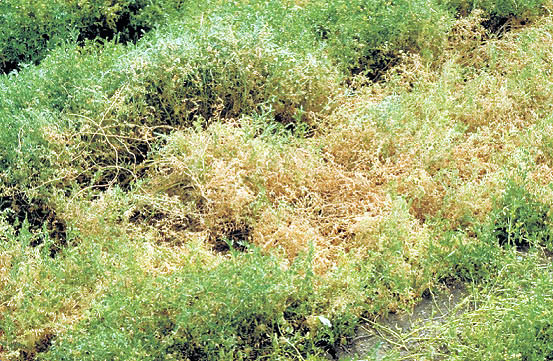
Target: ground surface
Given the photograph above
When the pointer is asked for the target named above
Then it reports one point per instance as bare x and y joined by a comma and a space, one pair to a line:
404, 333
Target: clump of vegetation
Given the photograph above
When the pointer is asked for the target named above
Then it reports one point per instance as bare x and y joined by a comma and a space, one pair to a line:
251, 179
367, 37
197, 316
507, 318
219, 71
30, 29
521, 311
501, 9
520, 220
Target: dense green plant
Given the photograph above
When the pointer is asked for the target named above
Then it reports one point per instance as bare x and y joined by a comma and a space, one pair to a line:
31, 117
506, 317
521, 220
498, 8
29, 29
242, 308
467, 259
368, 36
360, 36
177, 77
32, 112
223, 72
512, 319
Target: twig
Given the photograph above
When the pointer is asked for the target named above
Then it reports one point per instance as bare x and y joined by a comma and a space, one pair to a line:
294, 347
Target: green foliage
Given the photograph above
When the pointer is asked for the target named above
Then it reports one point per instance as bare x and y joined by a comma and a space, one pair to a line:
30, 29
87, 123
507, 317
242, 308
31, 113
521, 220
456, 256
512, 319
504, 8
360, 36
367, 36
499, 8
219, 71
114, 102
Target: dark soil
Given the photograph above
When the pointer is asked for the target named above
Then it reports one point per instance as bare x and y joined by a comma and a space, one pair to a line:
374, 340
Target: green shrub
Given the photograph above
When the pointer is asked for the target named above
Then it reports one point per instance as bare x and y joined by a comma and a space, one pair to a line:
36, 99
505, 8
29, 29
33, 159
219, 71
367, 36
498, 8
178, 76
456, 256
243, 308
360, 36
25, 163
520, 220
